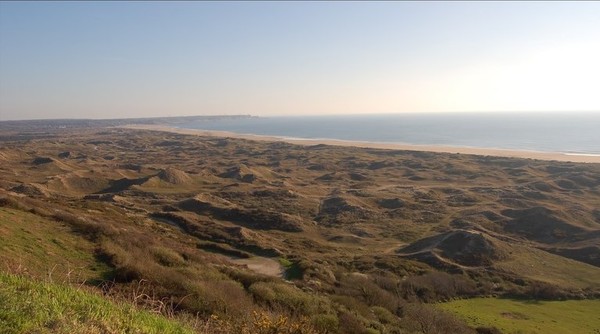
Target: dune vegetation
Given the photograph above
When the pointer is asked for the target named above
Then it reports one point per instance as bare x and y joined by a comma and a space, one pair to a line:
28, 306
218, 235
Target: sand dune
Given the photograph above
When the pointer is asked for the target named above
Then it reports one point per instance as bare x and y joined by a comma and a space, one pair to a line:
325, 208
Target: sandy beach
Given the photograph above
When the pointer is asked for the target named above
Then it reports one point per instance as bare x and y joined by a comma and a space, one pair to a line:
391, 146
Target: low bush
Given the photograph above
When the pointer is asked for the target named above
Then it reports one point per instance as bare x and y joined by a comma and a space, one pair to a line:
427, 319
347, 303
384, 316
260, 322
167, 257
351, 324
325, 323
545, 291
224, 298
436, 286
291, 298
488, 330
364, 289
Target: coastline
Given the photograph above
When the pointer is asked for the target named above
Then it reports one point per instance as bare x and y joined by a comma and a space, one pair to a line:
556, 156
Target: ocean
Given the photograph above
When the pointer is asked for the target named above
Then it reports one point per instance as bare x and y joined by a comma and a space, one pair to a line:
570, 133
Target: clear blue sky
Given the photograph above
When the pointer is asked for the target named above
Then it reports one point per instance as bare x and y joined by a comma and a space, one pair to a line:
134, 59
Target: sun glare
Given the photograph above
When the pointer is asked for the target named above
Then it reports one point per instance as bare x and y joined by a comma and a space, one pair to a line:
558, 77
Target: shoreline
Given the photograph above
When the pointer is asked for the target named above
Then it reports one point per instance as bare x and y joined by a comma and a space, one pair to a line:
550, 156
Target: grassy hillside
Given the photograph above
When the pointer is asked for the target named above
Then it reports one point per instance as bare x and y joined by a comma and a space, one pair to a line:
27, 306
45, 247
523, 316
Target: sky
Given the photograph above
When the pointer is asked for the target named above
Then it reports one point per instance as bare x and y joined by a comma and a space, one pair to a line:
144, 59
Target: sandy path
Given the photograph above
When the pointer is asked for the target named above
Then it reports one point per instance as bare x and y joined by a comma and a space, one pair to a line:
410, 147
262, 265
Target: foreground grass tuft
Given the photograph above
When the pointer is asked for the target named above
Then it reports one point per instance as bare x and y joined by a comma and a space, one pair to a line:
27, 306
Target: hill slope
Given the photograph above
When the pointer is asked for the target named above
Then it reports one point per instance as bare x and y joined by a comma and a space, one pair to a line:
35, 307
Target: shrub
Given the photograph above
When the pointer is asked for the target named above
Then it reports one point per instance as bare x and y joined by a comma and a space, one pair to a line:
542, 290
436, 286
326, 323
362, 288
288, 296
167, 257
350, 303
221, 297
89, 228
488, 330
351, 324
429, 320
260, 322
384, 315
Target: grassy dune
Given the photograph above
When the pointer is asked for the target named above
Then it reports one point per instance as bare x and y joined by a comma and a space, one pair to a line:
370, 240
542, 266
523, 316
27, 306
45, 247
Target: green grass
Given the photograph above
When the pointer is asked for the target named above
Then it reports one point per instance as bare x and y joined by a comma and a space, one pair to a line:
542, 266
42, 246
292, 271
285, 262
526, 316
27, 306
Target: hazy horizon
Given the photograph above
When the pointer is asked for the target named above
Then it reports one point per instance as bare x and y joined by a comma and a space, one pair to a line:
107, 60
336, 115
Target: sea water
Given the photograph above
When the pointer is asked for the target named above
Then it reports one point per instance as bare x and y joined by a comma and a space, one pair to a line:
571, 133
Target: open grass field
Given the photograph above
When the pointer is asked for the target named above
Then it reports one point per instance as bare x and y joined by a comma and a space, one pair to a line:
526, 316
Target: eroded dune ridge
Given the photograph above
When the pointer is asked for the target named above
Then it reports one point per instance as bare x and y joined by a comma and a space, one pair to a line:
358, 233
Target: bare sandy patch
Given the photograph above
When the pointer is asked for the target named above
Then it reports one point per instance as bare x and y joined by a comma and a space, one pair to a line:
262, 265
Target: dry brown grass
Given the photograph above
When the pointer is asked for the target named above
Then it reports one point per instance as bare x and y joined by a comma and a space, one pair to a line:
171, 211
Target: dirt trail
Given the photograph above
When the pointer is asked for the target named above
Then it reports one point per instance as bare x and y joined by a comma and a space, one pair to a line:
262, 265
